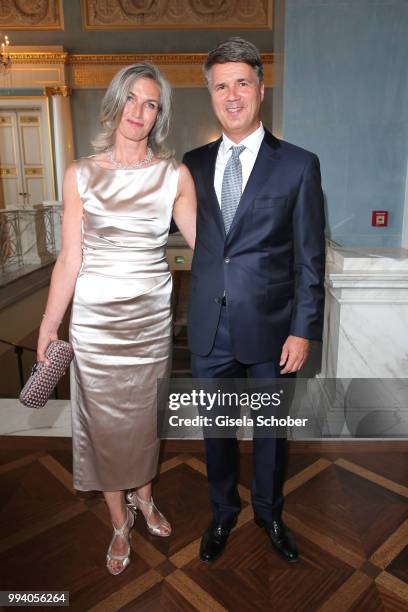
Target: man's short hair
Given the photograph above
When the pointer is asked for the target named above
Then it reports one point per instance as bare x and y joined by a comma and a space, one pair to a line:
234, 49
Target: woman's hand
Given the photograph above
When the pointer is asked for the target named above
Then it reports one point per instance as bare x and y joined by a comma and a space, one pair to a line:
47, 334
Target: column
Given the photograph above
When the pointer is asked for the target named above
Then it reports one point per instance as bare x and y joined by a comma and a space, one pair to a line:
62, 131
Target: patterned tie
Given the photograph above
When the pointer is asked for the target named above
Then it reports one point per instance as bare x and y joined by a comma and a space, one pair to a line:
231, 187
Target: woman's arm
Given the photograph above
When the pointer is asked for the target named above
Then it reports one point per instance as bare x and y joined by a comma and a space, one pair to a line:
67, 266
185, 206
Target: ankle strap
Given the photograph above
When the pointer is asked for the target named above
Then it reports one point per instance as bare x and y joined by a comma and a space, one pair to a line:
144, 502
119, 530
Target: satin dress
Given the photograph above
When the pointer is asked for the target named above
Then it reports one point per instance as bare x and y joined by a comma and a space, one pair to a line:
121, 324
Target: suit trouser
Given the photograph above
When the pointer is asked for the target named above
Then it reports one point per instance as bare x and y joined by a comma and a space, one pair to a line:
269, 454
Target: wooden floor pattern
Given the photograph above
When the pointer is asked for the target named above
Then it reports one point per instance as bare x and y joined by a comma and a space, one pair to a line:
345, 502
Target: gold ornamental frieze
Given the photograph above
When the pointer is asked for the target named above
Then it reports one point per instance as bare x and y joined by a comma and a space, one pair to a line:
31, 15
87, 71
123, 59
63, 90
60, 71
185, 14
38, 57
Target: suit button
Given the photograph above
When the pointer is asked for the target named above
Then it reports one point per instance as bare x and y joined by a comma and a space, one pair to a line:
227, 260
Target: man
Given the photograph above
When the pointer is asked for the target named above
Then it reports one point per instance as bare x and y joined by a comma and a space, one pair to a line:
256, 280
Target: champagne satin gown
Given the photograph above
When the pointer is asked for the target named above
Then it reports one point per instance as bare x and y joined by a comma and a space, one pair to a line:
121, 324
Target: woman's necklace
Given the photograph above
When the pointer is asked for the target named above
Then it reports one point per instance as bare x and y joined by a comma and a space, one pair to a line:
139, 164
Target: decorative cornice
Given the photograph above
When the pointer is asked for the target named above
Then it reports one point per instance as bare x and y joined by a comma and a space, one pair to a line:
63, 90
38, 57
87, 71
155, 58
44, 57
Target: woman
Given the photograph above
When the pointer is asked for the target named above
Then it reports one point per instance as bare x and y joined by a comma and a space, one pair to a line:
117, 211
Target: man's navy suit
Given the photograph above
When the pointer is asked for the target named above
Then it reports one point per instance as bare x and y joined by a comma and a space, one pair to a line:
270, 268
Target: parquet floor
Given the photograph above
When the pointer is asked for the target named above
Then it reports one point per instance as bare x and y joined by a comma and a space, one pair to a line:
346, 503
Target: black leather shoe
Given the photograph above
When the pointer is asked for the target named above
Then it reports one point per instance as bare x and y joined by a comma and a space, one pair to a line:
281, 538
214, 540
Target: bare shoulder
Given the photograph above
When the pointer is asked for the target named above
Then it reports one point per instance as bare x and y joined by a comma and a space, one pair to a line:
70, 184
171, 161
185, 179
186, 189
70, 175
78, 164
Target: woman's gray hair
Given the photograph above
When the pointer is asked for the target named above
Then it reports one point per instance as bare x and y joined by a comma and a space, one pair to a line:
114, 102
234, 49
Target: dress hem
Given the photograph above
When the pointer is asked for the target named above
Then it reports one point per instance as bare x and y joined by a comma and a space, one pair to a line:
133, 485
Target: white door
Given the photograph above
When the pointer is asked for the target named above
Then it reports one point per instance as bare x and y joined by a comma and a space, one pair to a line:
26, 176
11, 180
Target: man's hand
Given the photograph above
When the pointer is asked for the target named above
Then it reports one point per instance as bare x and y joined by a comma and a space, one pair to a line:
294, 354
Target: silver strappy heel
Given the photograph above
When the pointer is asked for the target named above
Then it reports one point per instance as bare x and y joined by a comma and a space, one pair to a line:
120, 532
135, 503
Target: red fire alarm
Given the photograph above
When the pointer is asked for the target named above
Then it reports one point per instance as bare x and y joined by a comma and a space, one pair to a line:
379, 218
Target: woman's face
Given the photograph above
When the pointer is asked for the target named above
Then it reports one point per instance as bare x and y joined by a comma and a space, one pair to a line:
140, 110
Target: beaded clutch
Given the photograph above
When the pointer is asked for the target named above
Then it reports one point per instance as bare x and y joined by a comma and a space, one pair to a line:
43, 379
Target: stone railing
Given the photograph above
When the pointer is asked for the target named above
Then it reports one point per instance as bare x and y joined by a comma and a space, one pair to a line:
29, 236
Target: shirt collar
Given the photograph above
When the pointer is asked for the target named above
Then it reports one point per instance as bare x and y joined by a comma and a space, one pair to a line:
251, 142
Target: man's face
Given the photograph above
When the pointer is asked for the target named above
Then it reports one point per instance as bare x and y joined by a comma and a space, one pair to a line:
236, 96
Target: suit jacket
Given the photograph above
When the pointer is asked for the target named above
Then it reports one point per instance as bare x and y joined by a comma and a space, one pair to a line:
271, 263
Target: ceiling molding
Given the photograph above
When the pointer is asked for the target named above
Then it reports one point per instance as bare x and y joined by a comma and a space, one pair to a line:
89, 71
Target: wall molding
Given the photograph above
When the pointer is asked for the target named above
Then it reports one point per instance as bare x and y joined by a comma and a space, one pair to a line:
32, 15
173, 14
131, 58
63, 90
94, 71
38, 57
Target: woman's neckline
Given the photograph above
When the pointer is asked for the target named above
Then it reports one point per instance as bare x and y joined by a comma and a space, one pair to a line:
95, 161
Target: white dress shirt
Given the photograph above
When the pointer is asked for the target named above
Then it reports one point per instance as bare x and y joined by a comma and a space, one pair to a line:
247, 158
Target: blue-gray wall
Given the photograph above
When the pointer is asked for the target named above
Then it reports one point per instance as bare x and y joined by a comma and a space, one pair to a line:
346, 98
